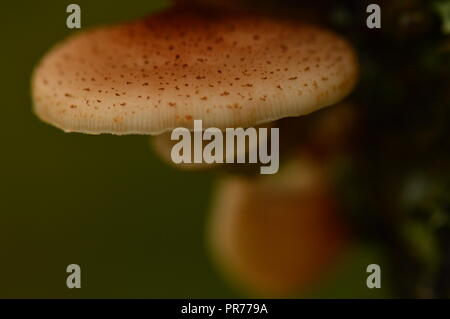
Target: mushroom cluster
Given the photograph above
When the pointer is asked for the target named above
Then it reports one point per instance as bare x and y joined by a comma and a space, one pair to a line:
228, 69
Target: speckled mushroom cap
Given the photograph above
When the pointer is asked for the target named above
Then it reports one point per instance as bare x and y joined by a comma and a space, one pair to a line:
162, 72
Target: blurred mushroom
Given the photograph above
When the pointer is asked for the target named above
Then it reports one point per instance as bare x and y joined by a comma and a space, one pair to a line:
277, 236
331, 132
228, 69
163, 144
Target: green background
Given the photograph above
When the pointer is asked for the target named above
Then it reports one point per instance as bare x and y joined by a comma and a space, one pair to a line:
135, 225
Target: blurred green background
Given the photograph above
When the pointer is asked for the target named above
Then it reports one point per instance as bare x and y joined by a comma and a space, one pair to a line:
135, 225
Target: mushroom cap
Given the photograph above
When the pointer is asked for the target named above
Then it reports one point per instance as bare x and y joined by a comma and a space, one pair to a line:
228, 69
163, 145
277, 236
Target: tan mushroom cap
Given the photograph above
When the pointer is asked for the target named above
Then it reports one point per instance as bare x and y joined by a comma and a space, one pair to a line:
278, 235
227, 69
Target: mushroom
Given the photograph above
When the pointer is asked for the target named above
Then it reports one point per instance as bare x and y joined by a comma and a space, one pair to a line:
226, 68
277, 236
163, 144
